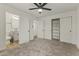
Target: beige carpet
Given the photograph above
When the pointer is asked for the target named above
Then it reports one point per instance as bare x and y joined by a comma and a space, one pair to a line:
42, 47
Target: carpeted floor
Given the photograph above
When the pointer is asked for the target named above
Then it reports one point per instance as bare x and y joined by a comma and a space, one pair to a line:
42, 47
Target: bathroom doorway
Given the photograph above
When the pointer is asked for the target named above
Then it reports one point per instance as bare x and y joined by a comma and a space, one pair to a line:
12, 30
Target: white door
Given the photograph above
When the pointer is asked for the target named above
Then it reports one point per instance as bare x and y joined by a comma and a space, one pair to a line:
65, 29
24, 29
40, 29
35, 28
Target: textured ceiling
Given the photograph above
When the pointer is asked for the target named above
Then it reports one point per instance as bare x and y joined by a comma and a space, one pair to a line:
56, 7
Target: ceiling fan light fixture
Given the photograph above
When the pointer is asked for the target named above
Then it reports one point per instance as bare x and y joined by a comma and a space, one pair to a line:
40, 10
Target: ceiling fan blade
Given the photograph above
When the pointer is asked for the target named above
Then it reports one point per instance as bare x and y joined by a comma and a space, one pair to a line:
43, 4
33, 8
47, 9
36, 4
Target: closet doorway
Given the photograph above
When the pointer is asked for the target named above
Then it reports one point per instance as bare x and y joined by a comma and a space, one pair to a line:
55, 28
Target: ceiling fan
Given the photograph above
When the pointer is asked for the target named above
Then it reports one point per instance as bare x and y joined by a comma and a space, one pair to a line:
40, 7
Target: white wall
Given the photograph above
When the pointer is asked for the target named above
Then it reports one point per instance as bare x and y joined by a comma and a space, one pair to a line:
2, 28
77, 27
47, 20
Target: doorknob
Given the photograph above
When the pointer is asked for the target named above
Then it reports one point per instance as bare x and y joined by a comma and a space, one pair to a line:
28, 30
70, 31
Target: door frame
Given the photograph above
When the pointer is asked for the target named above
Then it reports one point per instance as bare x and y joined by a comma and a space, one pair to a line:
52, 27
